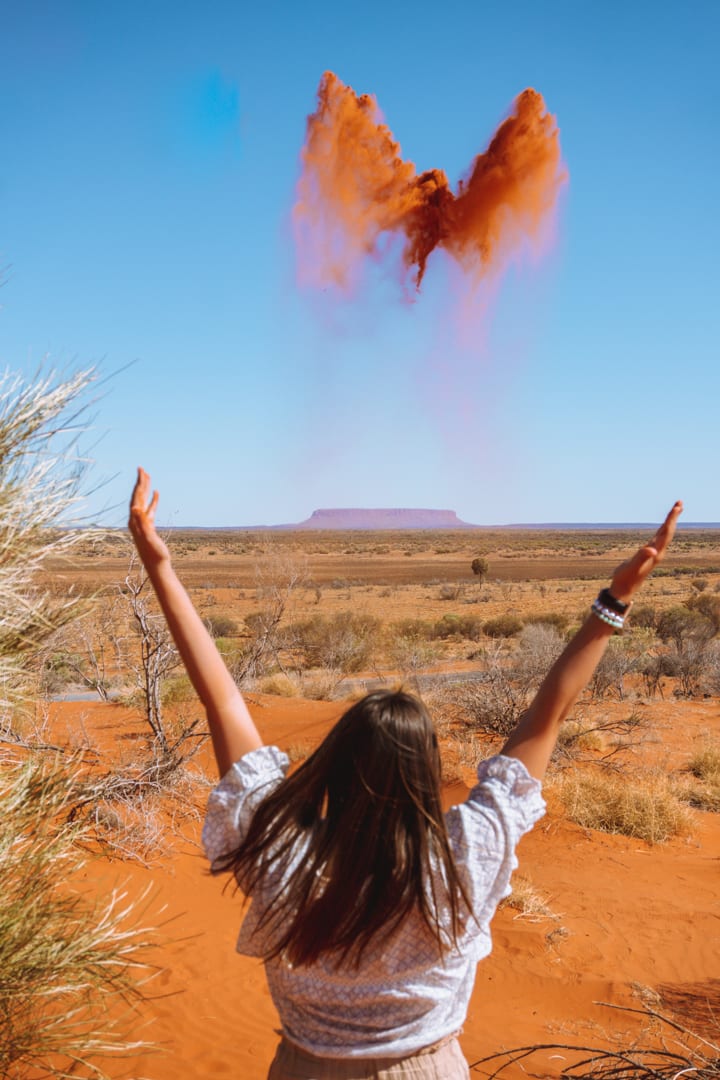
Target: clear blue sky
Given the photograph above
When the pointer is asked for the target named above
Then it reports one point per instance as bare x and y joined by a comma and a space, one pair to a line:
149, 157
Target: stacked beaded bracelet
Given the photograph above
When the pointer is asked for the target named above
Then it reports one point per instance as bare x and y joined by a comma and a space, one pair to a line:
607, 615
607, 599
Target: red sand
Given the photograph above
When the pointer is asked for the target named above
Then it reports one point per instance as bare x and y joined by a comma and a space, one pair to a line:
628, 914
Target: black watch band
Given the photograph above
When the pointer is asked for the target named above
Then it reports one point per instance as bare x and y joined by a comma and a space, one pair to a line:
606, 597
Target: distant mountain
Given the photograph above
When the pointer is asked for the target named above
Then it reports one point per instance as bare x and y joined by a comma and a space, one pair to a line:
352, 518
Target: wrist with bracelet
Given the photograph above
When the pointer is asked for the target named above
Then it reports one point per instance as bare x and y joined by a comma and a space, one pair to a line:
609, 609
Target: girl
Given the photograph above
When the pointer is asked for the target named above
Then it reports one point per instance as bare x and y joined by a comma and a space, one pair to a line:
369, 907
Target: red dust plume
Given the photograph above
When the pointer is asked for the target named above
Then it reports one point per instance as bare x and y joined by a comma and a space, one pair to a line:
355, 187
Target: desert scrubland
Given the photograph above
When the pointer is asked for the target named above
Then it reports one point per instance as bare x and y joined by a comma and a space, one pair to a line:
615, 912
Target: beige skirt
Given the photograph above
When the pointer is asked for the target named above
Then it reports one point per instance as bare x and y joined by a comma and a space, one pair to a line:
442, 1062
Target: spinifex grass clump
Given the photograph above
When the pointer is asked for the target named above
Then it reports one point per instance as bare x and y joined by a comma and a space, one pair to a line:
40, 474
700, 787
69, 966
645, 806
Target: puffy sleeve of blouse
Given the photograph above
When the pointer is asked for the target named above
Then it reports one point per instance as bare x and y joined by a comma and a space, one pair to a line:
233, 802
484, 831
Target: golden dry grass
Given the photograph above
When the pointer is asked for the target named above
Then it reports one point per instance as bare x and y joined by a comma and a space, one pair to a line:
700, 787
527, 901
645, 806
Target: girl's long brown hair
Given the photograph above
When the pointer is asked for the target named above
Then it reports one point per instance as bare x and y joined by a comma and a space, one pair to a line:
366, 809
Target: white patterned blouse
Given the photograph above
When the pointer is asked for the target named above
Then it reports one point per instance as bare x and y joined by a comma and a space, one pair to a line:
403, 996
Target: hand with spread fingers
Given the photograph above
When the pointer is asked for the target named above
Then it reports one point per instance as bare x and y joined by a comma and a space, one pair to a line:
151, 548
534, 737
630, 574
232, 728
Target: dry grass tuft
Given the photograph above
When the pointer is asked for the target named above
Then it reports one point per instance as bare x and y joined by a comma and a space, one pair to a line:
701, 787
40, 476
65, 960
674, 1051
527, 901
705, 762
645, 807
279, 684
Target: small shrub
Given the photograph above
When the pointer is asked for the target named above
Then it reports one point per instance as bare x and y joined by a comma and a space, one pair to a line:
298, 752
177, 690
411, 629
646, 808
412, 655
708, 606
620, 659
527, 901
345, 641
700, 794
556, 619
279, 684
700, 788
694, 664
654, 668
458, 626
538, 648
575, 736
466, 749
221, 626
705, 762
450, 592
504, 626
643, 615
319, 685
679, 622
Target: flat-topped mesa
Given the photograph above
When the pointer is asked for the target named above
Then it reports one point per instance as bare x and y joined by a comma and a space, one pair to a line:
383, 519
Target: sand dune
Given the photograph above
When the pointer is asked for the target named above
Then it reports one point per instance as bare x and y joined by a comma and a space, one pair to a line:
627, 916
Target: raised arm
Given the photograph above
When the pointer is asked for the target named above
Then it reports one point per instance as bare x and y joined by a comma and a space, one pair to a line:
231, 726
534, 738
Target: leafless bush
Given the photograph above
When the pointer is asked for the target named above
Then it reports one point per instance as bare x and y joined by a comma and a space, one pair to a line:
141, 806
654, 667
505, 684
88, 652
492, 702
622, 657
411, 656
601, 741
277, 581
694, 662
344, 642
158, 656
539, 646
689, 1053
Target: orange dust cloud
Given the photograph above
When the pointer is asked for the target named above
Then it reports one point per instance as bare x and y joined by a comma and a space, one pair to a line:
355, 187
